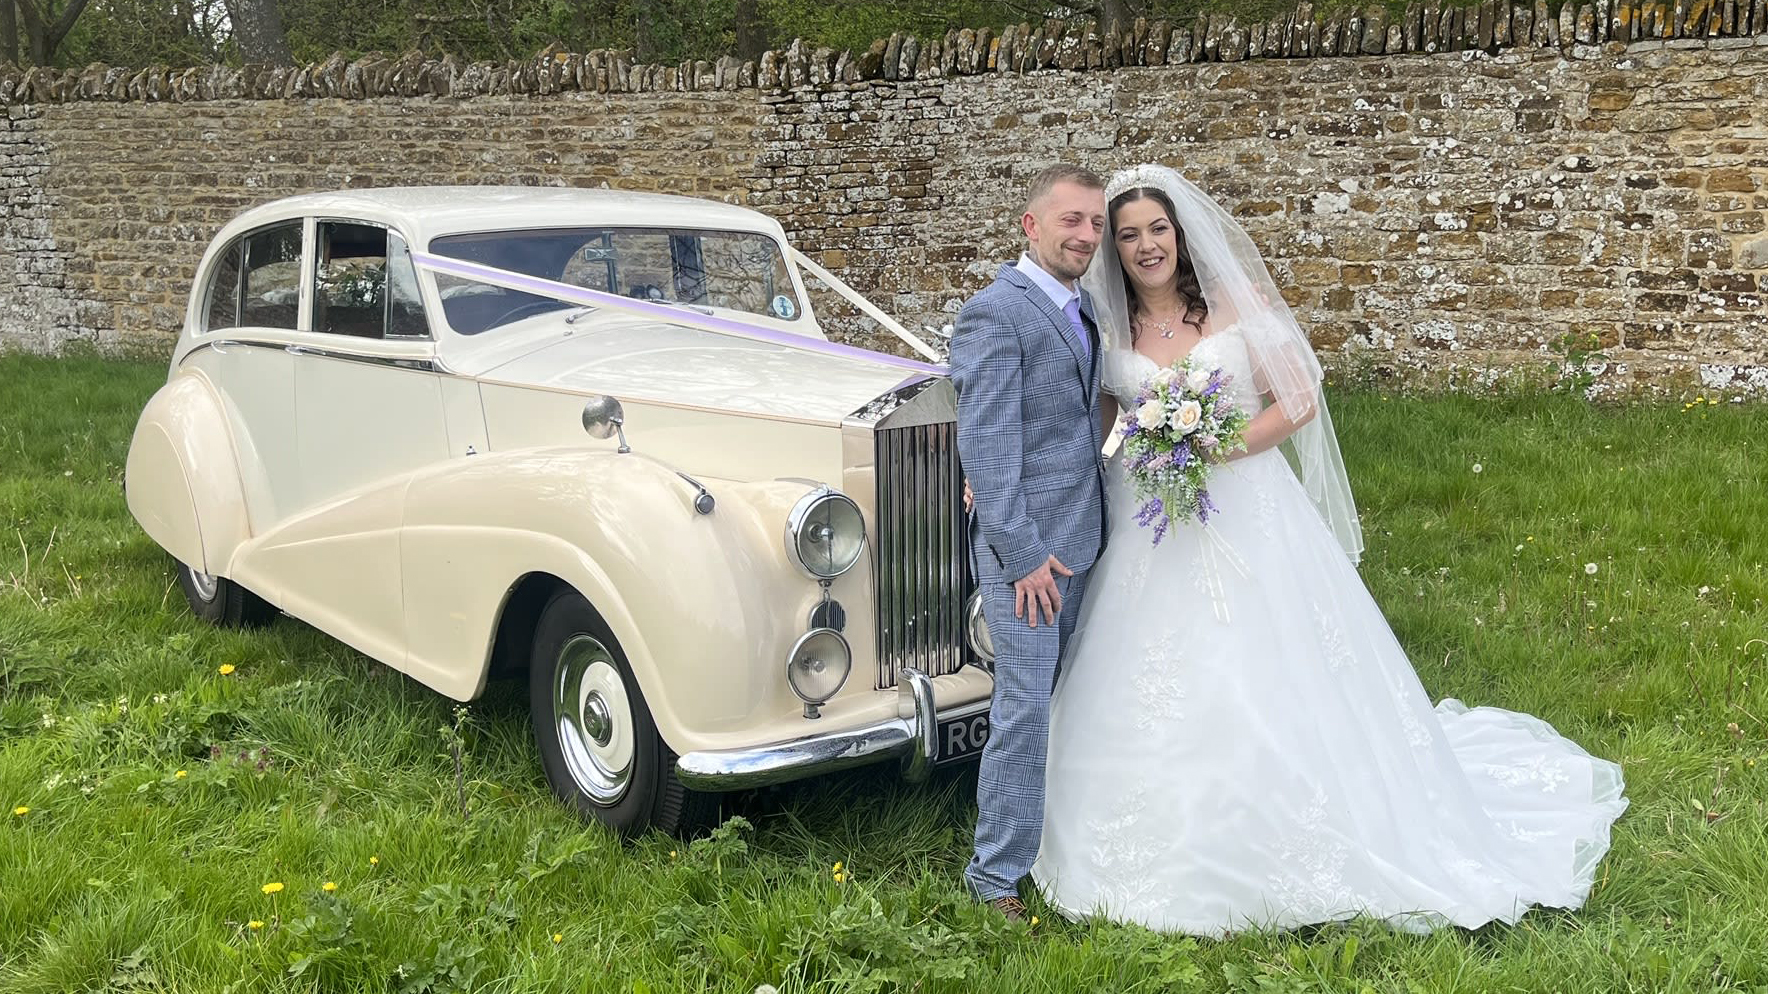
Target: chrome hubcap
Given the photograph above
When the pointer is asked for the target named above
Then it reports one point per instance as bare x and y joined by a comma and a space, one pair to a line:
596, 722
593, 716
205, 584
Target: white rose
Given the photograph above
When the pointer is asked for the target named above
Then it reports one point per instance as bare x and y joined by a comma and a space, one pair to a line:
1197, 380
1150, 415
1186, 417
1166, 376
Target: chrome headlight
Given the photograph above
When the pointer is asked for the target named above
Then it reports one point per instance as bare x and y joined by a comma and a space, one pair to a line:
976, 627
825, 533
818, 667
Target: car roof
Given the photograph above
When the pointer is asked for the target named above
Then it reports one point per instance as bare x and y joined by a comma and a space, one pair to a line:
426, 212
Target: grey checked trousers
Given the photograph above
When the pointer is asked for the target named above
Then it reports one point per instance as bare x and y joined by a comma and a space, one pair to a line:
1010, 787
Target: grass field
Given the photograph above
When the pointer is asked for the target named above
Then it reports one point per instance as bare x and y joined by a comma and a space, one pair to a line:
188, 809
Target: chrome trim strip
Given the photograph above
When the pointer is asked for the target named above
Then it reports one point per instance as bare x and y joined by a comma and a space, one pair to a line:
427, 365
911, 737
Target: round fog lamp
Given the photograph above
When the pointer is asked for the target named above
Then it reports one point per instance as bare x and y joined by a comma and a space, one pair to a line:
818, 666
825, 533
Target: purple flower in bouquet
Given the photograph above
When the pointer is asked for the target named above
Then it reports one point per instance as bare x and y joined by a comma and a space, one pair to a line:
1180, 414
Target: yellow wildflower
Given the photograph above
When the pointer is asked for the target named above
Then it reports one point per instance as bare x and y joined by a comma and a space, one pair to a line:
273, 887
21, 811
672, 854
329, 886
254, 924
225, 669
558, 938
839, 877
839, 866
1033, 921
181, 774
374, 861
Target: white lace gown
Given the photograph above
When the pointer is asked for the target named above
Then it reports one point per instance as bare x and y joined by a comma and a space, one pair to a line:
1243, 743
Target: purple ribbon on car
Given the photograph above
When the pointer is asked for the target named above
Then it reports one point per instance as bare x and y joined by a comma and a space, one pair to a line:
671, 313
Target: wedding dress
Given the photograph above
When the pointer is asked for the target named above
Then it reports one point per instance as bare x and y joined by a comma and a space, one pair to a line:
1238, 741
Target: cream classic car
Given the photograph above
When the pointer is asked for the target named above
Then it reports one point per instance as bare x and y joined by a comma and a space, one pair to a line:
593, 436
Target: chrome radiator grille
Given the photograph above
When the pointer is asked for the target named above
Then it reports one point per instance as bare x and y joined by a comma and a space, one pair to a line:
922, 561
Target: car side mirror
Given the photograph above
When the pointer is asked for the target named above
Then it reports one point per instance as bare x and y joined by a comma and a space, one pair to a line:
603, 417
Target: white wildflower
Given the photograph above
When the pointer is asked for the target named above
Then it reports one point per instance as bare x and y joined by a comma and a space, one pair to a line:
1477, 469
1590, 569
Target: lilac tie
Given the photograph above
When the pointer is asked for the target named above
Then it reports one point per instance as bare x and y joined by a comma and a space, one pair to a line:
1080, 327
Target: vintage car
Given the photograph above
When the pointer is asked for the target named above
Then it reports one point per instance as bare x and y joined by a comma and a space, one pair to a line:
597, 437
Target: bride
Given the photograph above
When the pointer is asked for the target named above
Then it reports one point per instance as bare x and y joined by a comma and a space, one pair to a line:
1237, 739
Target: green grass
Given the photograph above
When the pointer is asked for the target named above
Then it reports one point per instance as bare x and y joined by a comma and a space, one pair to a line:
309, 763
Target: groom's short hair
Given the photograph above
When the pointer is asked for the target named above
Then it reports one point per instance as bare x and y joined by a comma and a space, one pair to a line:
1061, 172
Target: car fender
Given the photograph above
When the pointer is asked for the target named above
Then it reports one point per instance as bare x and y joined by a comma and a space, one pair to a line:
182, 480
705, 606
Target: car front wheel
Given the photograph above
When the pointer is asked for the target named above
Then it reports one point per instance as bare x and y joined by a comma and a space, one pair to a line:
219, 601
598, 743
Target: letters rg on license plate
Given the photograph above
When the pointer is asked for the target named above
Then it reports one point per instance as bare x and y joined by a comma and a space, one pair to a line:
961, 737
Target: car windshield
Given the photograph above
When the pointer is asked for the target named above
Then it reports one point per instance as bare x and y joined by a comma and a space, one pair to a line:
738, 270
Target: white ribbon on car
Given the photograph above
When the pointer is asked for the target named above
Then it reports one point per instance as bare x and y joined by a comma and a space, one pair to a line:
674, 313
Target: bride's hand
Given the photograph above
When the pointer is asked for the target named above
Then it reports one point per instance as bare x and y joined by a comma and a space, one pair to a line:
969, 497
1217, 455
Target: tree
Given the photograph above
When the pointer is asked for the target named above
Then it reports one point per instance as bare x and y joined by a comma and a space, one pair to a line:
45, 27
1115, 15
8, 32
751, 29
257, 29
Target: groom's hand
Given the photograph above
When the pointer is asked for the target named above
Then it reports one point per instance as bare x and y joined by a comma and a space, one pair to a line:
1037, 591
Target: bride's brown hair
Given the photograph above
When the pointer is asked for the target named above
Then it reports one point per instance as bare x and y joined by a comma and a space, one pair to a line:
1196, 308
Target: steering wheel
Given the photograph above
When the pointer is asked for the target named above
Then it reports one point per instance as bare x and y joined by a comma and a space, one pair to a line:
538, 306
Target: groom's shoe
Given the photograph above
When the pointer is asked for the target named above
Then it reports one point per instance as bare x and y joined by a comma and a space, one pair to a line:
1011, 907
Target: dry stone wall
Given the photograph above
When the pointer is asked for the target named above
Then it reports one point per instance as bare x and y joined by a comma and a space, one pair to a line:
1451, 197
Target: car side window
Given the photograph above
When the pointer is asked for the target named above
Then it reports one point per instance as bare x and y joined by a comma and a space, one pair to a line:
364, 284
222, 310
350, 280
405, 305
270, 293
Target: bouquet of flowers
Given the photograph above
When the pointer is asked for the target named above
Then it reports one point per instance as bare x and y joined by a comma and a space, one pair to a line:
1182, 422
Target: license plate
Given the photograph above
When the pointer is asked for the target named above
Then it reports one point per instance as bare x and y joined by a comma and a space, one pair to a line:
961, 737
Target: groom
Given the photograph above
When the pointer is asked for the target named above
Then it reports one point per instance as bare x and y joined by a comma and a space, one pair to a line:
1024, 361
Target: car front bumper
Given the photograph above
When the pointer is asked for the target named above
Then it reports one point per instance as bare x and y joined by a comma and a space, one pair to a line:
911, 738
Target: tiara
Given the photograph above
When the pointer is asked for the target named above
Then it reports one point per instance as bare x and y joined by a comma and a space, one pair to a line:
1146, 174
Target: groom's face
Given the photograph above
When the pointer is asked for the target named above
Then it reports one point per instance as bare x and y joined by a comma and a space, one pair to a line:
1064, 226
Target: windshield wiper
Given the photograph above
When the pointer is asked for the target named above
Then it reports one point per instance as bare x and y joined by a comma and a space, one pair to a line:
688, 307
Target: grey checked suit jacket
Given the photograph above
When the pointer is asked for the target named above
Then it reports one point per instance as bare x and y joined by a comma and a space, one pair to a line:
1028, 428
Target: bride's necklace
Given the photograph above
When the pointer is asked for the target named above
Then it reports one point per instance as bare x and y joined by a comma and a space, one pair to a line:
1167, 327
